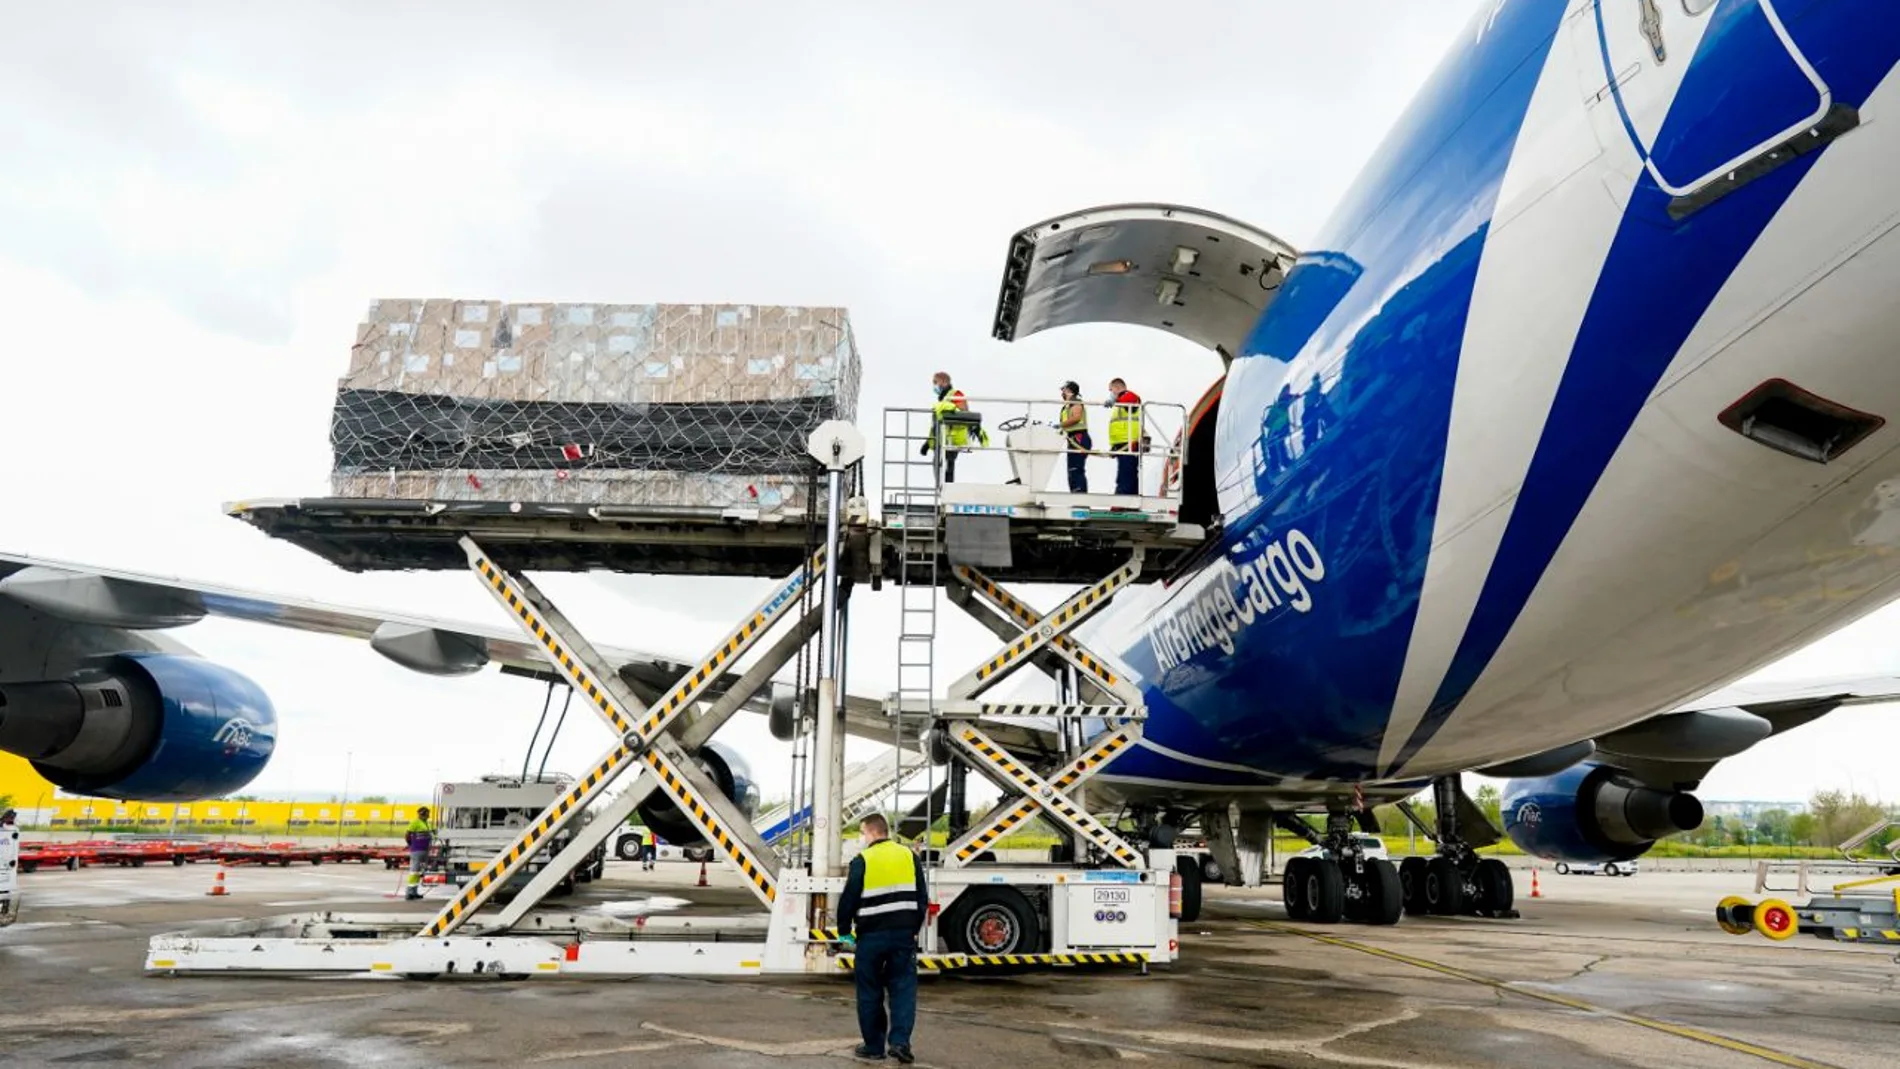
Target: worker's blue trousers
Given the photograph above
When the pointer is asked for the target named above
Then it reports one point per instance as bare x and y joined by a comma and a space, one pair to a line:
886, 964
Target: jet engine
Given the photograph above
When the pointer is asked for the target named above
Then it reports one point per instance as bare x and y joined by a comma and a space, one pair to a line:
149, 726
1592, 812
726, 769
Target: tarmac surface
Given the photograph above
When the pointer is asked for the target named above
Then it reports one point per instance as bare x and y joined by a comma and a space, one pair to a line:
1598, 972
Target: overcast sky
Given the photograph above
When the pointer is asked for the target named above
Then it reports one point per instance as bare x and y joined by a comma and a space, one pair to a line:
198, 203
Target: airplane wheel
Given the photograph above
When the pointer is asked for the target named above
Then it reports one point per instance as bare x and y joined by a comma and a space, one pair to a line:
1190, 872
1496, 892
1290, 879
1776, 920
1384, 898
1323, 888
1412, 881
1728, 915
1444, 887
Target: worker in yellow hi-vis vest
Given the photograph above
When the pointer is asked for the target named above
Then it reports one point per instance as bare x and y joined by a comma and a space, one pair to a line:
956, 435
419, 838
1124, 436
883, 910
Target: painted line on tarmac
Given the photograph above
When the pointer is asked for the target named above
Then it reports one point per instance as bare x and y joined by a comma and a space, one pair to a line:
1680, 1031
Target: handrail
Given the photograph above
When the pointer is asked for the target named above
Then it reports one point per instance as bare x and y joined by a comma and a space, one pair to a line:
1163, 424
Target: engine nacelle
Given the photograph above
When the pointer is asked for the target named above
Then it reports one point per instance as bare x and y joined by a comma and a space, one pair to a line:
1592, 812
726, 769
147, 726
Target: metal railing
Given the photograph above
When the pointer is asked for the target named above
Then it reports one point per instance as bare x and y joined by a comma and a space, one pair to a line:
1005, 433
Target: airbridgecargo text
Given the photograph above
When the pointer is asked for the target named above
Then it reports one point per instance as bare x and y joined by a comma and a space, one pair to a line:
1236, 595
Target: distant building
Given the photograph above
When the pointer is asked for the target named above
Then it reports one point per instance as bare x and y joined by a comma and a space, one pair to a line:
1748, 809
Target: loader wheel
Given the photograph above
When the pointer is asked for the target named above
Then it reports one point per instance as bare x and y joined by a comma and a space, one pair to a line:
1727, 916
1776, 920
993, 920
1190, 872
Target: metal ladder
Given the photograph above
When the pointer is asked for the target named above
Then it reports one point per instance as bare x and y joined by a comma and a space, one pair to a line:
911, 498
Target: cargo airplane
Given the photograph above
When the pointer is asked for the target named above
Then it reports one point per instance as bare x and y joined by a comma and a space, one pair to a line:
1572, 416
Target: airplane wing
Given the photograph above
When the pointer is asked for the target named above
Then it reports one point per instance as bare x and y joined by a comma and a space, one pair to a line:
1681, 746
108, 597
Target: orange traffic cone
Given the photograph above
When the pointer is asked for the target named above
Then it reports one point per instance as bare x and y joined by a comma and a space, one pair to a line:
702, 874
217, 885
1536, 892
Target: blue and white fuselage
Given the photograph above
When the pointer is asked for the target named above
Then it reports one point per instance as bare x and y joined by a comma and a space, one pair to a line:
1477, 501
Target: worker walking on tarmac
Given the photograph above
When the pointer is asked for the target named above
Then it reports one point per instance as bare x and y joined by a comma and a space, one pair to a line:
1075, 428
419, 838
9, 869
955, 434
884, 903
1124, 436
649, 850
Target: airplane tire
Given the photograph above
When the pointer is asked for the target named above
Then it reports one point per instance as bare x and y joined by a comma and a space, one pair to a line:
1412, 884
1444, 887
1291, 879
1496, 892
1384, 898
1324, 889
1189, 869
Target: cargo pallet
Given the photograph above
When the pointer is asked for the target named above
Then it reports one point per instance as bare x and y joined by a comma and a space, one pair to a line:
1119, 906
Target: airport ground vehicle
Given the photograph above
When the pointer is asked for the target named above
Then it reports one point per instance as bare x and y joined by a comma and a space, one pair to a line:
1596, 868
474, 819
626, 847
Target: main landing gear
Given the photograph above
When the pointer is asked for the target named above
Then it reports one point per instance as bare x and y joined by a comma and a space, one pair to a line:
1457, 880
1341, 883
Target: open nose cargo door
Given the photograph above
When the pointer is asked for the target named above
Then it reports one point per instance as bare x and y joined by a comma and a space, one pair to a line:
1191, 273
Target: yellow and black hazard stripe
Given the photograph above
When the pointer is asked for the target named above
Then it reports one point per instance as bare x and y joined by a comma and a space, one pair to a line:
517, 603
691, 685
954, 962
823, 935
1888, 934
504, 864
1069, 613
1028, 618
764, 882
1044, 710
1073, 772
1056, 802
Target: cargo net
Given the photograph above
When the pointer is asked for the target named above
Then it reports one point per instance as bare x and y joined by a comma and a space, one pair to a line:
667, 405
